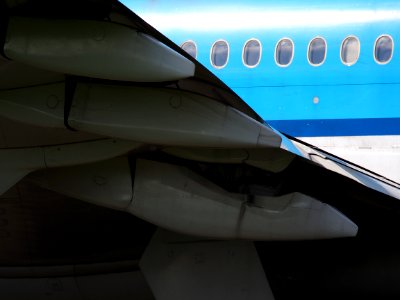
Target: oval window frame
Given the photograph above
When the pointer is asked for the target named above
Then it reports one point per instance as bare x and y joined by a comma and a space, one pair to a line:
211, 54
325, 54
260, 56
341, 50
374, 50
276, 49
195, 45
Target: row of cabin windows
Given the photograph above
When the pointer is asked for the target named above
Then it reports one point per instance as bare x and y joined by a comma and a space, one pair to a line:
284, 51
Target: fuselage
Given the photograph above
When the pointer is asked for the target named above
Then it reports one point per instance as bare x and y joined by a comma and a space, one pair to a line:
327, 73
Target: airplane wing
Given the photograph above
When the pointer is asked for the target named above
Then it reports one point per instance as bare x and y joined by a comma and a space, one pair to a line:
98, 106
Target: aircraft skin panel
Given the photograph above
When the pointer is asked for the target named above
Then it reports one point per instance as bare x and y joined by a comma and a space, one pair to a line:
336, 128
333, 99
148, 115
181, 152
299, 92
87, 44
205, 259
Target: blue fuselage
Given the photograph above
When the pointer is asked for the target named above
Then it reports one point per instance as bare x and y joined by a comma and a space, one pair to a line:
332, 99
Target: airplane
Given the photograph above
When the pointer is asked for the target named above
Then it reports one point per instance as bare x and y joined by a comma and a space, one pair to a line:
129, 170
323, 72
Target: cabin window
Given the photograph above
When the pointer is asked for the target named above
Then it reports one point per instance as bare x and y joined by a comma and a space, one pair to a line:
350, 50
190, 47
284, 52
317, 51
383, 49
219, 54
252, 53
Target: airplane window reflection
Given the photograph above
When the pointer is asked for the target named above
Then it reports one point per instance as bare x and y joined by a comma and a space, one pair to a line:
219, 54
317, 51
350, 50
284, 52
252, 53
384, 49
190, 48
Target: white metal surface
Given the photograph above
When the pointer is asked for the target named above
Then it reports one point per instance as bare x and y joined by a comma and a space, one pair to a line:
179, 267
150, 115
177, 199
93, 49
173, 197
17, 163
270, 159
107, 183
